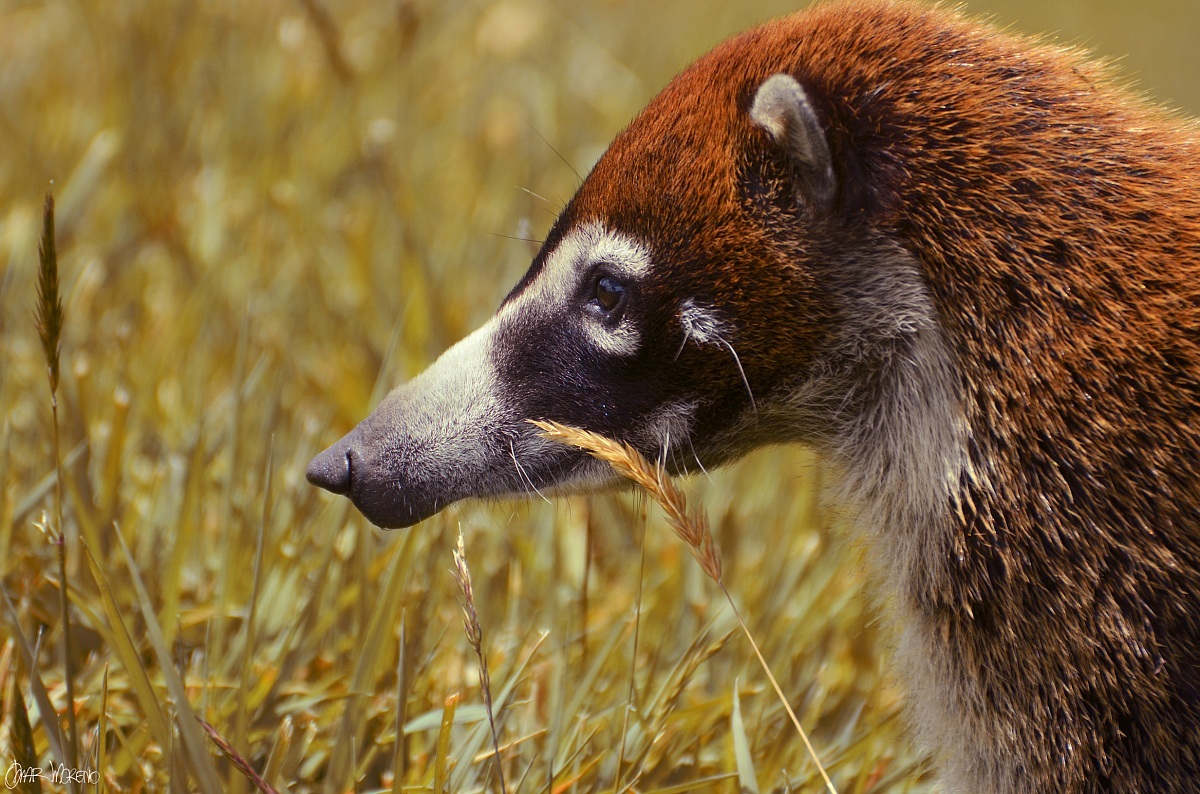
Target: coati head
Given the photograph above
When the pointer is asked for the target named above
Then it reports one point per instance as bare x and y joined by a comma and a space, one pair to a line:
681, 302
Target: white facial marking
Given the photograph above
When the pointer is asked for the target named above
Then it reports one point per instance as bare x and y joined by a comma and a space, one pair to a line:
705, 326
448, 417
574, 259
462, 377
702, 324
630, 259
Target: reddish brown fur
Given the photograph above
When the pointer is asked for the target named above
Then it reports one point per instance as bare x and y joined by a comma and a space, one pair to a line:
1056, 220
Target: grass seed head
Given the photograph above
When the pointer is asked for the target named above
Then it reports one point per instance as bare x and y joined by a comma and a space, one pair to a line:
631, 464
462, 575
49, 313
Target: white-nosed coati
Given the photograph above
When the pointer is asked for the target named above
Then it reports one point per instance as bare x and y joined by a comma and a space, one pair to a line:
962, 264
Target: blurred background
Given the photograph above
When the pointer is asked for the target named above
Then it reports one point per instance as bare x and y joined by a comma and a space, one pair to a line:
268, 214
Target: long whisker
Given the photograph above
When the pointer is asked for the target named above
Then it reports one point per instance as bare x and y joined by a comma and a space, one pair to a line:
696, 457
706, 326
512, 453
745, 380
566, 162
535, 195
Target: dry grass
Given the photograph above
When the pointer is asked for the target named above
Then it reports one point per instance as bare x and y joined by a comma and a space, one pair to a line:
692, 529
268, 212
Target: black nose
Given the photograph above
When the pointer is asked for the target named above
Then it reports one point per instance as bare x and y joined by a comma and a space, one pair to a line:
331, 469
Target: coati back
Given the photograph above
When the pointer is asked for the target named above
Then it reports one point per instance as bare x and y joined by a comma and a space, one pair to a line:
963, 265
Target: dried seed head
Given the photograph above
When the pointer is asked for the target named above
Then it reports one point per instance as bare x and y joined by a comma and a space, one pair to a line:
462, 575
631, 464
49, 314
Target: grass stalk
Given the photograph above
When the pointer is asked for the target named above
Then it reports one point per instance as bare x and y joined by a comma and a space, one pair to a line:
401, 703
692, 529
462, 574
237, 759
242, 708
778, 690
637, 626
49, 319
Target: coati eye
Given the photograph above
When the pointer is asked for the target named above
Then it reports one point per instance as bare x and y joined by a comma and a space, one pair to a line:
609, 293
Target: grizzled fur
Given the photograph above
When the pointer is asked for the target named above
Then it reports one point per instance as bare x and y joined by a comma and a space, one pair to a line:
966, 267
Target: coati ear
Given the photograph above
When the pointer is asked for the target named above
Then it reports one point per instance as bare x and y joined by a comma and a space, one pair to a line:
782, 109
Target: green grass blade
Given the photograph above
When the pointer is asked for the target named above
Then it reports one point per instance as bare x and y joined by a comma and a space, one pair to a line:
130, 657
189, 730
371, 655
441, 760
747, 776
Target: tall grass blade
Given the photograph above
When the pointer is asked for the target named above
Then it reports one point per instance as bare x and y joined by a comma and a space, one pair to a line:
779, 691
233, 547
21, 738
101, 732
199, 761
68, 672
41, 698
514, 677
366, 666
637, 626
747, 777
273, 769
127, 651
441, 761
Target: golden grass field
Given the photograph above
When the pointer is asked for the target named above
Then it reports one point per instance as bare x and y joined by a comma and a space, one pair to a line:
269, 213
